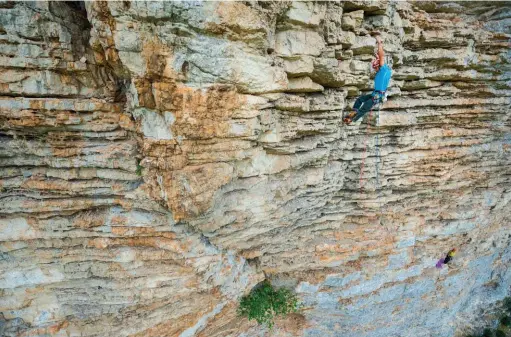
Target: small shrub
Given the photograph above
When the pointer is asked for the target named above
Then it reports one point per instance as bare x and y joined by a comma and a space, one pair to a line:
507, 304
505, 321
500, 333
264, 303
488, 333
139, 168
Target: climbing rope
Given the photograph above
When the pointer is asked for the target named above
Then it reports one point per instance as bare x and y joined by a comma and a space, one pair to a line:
378, 158
361, 178
362, 165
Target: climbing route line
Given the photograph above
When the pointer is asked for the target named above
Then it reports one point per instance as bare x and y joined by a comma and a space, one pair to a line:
361, 178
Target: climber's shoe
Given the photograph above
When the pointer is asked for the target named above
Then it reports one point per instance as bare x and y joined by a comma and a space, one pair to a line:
348, 119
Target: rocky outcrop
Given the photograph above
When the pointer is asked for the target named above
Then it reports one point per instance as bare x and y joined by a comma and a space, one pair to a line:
158, 159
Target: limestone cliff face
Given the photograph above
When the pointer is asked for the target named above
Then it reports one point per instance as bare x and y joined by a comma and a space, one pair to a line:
159, 159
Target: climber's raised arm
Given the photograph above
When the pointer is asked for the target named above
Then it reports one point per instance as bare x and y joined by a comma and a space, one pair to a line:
381, 53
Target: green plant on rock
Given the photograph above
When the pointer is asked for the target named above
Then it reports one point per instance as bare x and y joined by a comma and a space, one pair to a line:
488, 333
507, 304
264, 304
139, 168
500, 333
505, 321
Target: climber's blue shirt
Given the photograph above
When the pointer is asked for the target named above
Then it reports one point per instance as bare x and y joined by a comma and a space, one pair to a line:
382, 78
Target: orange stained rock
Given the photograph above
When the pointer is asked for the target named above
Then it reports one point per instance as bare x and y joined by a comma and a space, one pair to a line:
190, 191
87, 220
251, 254
126, 122
119, 220
26, 121
174, 326
40, 117
170, 328
60, 204
215, 102
155, 55
134, 231
37, 104
192, 283
226, 320
325, 257
198, 114
154, 242
39, 183
69, 151
145, 94
334, 248
49, 330
293, 324
127, 204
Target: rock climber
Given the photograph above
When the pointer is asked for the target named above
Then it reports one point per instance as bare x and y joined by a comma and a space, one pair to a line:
365, 103
447, 258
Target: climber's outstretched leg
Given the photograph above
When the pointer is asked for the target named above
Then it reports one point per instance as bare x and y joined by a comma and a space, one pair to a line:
362, 105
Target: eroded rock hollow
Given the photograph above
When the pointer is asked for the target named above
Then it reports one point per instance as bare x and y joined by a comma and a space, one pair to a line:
159, 159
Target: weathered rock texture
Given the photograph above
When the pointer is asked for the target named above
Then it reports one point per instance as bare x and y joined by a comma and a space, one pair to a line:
158, 159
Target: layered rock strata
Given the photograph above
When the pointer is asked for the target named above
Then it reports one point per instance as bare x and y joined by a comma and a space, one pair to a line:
158, 159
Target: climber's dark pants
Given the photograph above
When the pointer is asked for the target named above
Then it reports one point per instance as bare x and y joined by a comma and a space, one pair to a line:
363, 105
447, 259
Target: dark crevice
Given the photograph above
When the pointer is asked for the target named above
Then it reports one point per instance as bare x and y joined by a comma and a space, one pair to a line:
78, 7
121, 91
254, 263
